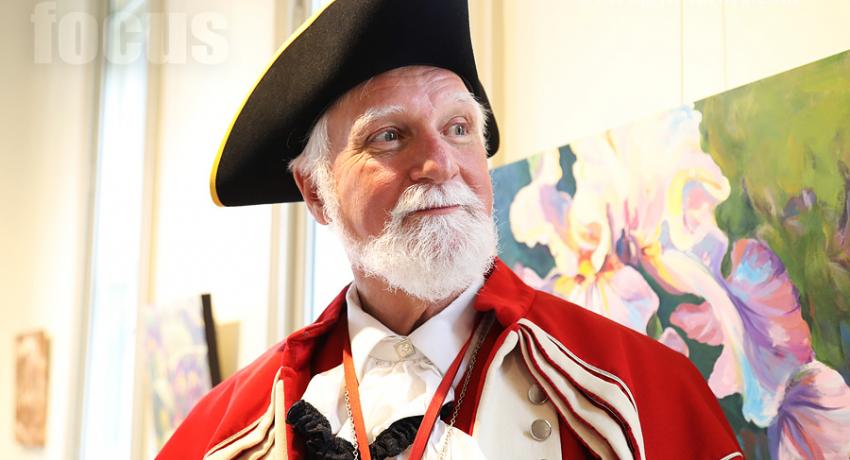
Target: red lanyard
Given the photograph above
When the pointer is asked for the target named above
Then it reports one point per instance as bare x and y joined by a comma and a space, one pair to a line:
428, 420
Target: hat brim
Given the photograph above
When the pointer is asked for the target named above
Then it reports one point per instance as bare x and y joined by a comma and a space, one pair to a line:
341, 46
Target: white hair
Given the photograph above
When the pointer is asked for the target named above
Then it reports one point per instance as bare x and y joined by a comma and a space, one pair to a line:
314, 162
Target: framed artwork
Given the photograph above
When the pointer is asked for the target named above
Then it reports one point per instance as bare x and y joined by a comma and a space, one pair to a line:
722, 229
32, 366
182, 357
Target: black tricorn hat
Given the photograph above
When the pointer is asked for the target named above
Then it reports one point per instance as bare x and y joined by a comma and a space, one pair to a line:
341, 46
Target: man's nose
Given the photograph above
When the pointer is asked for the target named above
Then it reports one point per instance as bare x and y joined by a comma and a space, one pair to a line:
434, 161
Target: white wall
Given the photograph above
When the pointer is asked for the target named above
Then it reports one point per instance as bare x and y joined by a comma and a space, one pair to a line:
46, 152
566, 69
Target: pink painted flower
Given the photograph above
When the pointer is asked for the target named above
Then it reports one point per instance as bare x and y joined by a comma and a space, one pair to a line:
645, 196
756, 318
531, 278
814, 418
659, 191
672, 339
587, 271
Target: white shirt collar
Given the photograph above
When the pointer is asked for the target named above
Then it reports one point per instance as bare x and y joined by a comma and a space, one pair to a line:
439, 339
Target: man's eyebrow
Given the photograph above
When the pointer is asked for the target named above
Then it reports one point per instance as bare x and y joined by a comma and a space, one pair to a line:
373, 114
463, 97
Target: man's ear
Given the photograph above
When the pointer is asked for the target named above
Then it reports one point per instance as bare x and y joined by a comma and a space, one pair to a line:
311, 196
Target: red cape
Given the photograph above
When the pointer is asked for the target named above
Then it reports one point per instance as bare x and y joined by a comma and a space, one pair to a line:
679, 415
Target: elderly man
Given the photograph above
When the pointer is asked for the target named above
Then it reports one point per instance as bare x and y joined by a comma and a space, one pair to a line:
436, 350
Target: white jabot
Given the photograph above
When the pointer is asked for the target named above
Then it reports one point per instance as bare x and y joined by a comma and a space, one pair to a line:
399, 375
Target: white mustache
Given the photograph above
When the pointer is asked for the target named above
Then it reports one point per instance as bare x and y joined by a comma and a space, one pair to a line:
418, 197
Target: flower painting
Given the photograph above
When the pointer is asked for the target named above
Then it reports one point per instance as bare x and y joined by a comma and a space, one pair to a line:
721, 229
182, 359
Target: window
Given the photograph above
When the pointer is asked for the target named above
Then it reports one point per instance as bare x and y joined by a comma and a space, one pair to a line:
329, 269
108, 398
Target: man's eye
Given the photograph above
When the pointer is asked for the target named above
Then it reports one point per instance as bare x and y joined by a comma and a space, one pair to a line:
386, 136
459, 129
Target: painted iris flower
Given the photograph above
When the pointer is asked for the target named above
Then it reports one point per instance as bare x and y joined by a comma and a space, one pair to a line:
755, 316
659, 189
784, 387
644, 205
675, 226
645, 197
814, 418
587, 270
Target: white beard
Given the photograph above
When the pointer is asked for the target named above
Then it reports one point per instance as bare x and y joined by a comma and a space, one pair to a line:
430, 257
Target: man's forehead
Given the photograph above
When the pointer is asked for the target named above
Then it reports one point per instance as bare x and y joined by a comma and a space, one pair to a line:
377, 111
382, 108
407, 83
